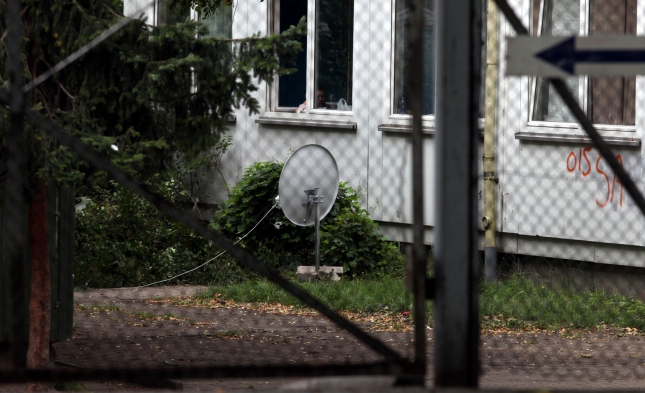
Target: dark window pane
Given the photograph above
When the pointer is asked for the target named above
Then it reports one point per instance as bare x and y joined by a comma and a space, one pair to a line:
219, 24
612, 99
170, 16
292, 87
334, 48
401, 54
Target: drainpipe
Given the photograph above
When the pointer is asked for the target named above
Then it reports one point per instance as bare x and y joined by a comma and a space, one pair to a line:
490, 119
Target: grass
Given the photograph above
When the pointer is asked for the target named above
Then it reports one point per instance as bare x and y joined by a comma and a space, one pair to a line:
514, 303
361, 296
548, 306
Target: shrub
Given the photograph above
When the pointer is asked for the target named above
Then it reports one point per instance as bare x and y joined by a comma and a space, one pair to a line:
349, 237
123, 240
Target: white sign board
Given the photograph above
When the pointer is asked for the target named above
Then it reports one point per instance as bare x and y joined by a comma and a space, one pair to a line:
565, 56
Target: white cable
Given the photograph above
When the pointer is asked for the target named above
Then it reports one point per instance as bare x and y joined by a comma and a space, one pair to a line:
207, 262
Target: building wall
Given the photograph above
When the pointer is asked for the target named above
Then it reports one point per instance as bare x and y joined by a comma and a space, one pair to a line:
557, 196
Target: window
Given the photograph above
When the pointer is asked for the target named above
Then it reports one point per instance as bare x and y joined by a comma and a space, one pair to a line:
167, 15
220, 23
400, 95
292, 87
334, 49
326, 56
608, 100
401, 54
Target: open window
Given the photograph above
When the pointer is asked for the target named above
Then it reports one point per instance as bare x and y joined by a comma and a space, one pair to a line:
326, 58
291, 88
608, 100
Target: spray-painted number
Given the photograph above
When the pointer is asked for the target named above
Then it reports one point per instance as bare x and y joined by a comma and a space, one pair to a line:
581, 162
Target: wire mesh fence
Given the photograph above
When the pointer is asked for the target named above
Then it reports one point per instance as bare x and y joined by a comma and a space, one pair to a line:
564, 312
565, 309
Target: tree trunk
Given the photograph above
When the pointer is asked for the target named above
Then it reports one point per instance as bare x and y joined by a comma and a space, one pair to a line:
40, 301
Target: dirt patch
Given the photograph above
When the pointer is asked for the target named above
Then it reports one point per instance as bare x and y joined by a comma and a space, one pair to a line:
125, 329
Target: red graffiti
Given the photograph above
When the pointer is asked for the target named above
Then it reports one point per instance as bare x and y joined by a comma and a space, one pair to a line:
575, 161
607, 179
584, 153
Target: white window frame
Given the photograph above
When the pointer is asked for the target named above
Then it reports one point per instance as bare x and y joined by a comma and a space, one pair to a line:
573, 128
310, 92
427, 121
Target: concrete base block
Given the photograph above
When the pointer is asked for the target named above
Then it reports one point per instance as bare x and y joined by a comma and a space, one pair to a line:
327, 273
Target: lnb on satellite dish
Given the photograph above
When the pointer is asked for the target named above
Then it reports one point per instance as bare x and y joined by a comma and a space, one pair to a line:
308, 188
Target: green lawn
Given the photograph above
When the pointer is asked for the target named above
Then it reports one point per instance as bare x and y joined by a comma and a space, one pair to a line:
513, 302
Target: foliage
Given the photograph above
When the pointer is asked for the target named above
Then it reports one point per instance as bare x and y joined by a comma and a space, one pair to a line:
520, 300
349, 237
122, 240
152, 92
515, 303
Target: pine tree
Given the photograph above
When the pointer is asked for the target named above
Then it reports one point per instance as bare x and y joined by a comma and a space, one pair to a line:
142, 98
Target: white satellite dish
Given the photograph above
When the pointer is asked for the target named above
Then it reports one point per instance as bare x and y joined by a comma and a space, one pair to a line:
308, 188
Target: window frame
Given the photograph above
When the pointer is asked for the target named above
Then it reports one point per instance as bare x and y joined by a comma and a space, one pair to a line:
398, 118
574, 128
427, 121
273, 15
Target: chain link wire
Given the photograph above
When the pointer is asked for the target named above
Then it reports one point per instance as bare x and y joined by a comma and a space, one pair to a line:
562, 314
569, 231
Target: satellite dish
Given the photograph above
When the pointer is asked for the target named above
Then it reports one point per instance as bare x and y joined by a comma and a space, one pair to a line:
308, 188
308, 168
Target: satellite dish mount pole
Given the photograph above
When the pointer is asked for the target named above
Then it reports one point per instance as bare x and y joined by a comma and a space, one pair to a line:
313, 202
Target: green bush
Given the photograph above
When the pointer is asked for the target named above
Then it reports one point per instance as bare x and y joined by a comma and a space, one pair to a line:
349, 237
123, 240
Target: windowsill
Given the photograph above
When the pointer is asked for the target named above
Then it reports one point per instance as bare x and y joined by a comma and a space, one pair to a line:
308, 120
577, 139
407, 129
404, 129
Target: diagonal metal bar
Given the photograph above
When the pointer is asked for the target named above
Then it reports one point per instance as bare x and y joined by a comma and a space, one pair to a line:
85, 48
568, 98
235, 371
87, 154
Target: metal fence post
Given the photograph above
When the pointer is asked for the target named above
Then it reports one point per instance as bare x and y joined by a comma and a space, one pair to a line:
456, 267
419, 249
15, 208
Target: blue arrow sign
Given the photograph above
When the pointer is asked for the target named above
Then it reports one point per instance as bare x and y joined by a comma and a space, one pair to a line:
565, 56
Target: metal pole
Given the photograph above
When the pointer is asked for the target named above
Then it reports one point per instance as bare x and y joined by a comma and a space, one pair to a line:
419, 259
490, 115
15, 205
317, 217
458, 79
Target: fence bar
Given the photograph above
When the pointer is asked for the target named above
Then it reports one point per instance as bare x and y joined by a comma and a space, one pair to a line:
458, 79
234, 371
15, 205
89, 155
419, 255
